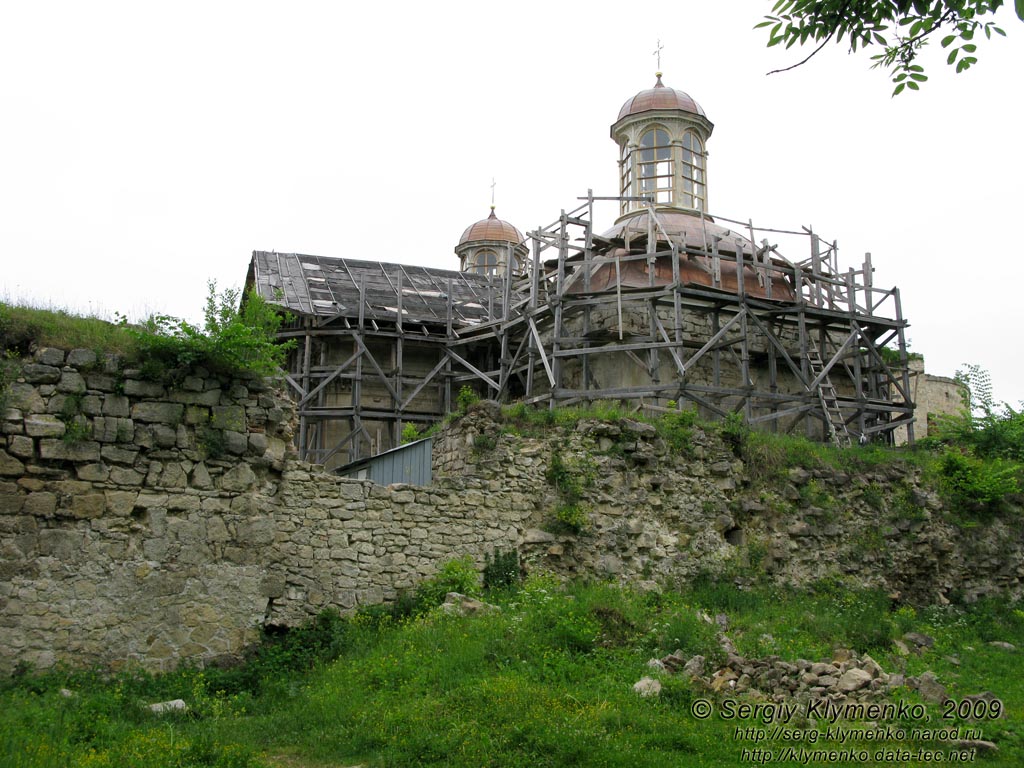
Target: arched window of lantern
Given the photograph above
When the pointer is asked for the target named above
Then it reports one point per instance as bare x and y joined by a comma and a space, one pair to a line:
625, 176
486, 263
654, 169
694, 191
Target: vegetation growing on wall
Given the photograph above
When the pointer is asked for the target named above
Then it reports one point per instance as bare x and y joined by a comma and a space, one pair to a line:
23, 327
236, 336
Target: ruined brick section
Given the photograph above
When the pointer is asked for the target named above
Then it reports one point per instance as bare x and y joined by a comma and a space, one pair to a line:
130, 543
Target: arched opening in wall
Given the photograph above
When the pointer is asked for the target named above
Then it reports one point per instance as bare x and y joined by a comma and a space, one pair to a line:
735, 536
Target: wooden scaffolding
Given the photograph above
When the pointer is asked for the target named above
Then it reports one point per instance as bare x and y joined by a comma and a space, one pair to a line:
646, 316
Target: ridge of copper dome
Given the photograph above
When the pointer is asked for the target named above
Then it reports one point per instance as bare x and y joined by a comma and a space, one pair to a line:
660, 97
491, 228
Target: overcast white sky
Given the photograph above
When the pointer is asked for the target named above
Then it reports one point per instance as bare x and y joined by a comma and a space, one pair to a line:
146, 148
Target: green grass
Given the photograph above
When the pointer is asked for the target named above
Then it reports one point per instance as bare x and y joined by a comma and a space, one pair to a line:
22, 326
547, 681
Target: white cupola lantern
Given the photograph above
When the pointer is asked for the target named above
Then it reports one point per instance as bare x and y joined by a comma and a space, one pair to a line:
662, 134
486, 247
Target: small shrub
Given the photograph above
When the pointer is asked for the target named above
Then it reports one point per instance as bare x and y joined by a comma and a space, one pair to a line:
232, 339
969, 483
570, 476
502, 569
734, 432
466, 398
457, 575
76, 430
676, 429
212, 442
484, 444
872, 496
410, 433
573, 517
76, 426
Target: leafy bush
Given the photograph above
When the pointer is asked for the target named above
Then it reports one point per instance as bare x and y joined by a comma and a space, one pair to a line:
574, 517
987, 428
284, 651
466, 398
457, 575
484, 444
676, 429
734, 432
970, 483
232, 339
502, 569
410, 433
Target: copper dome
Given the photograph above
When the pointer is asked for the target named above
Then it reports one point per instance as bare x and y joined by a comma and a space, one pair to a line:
491, 228
660, 97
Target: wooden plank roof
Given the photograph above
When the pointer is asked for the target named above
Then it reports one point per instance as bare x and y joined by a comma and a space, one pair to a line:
330, 287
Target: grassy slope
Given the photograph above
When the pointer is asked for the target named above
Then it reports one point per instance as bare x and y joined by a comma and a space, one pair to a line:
546, 682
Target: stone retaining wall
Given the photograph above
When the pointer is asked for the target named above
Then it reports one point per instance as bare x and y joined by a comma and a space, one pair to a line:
154, 522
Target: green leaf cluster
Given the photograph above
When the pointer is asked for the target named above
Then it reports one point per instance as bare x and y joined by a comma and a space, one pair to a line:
235, 337
900, 27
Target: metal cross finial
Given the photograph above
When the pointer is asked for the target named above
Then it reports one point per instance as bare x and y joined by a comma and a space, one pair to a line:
493, 183
657, 52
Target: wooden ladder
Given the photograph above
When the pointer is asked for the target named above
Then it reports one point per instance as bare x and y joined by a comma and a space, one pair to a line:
837, 430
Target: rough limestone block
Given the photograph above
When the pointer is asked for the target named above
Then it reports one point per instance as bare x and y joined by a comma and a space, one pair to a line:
10, 466
92, 405
89, 505
116, 405
25, 397
86, 450
11, 503
228, 417
158, 413
95, 473
276, 449
257, 443
123, 476
137, 388
257, 533
81, 358
201, 477
102, 382
235, 442
239, 478
44, 425
173, 476
196, 414
19, 445
208, 398
61, 544
164, 436
120, 503
71, 382
116, 455
49, 356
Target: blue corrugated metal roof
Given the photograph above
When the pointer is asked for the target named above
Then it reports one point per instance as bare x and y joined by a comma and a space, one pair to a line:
409, 463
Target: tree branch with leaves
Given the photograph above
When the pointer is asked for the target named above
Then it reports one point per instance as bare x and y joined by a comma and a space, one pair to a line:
900, 27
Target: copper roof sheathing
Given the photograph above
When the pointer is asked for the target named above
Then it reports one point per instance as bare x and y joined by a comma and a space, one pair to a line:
492, 228
693, 270
660, 97
689, 232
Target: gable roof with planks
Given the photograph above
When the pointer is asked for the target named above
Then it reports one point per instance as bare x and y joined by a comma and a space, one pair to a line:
328, 288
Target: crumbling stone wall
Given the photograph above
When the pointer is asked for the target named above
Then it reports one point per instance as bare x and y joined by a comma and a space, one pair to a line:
172, 523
